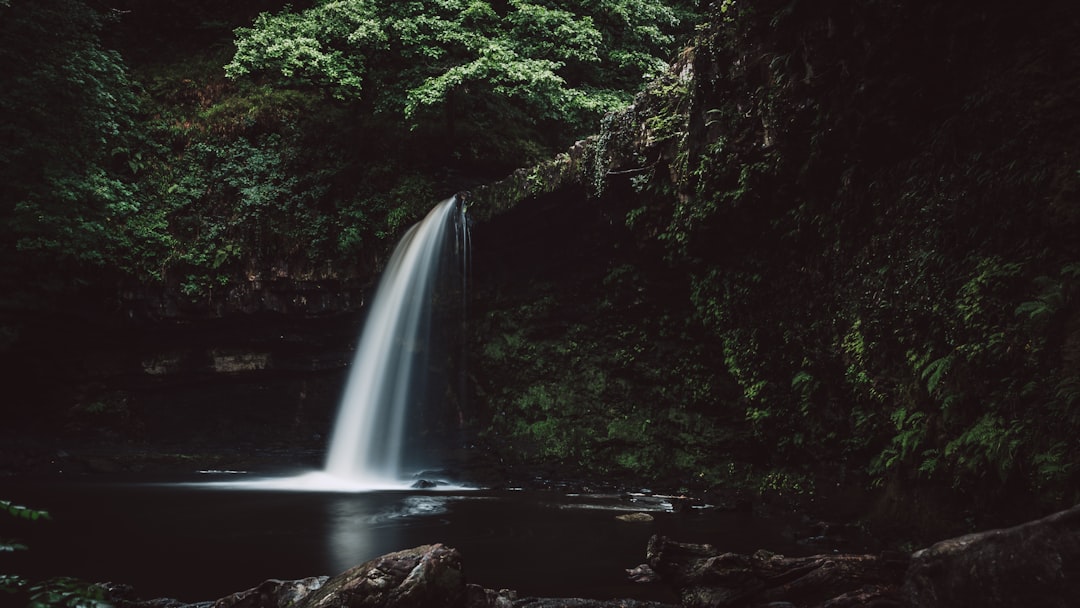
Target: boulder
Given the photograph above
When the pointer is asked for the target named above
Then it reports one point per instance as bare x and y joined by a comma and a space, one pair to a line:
1033, 564
429, 576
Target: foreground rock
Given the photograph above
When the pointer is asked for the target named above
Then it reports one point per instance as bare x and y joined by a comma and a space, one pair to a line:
1033, 564
429, 576
704, 576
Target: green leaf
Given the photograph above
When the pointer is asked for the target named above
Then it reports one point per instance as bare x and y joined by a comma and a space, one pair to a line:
23, 512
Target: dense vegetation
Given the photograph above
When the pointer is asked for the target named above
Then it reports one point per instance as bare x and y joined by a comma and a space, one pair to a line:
846, 252
878, 222
881, 237
139, 159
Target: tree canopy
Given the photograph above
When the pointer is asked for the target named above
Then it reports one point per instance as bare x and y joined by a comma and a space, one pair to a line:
125, 156
545, 69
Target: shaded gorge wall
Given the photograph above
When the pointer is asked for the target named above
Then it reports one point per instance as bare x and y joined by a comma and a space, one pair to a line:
585, 359
105, 375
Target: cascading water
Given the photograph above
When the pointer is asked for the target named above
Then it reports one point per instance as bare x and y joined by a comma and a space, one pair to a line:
399, 371
391, 368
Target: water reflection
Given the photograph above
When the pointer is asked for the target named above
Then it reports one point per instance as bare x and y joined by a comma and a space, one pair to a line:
540, 543
360, 520
360, 527
350, 537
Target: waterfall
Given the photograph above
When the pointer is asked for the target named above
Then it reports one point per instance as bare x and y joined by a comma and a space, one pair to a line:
391, 369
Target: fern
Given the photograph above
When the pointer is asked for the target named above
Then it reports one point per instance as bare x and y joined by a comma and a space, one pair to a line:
1071, 271
988, 442
802, 382
930, 462
1052, 297
1068, 391
935, 371
1034, 310
908, 440
1050, 300
1051, 466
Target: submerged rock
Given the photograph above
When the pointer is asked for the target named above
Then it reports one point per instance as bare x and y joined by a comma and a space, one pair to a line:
635, 517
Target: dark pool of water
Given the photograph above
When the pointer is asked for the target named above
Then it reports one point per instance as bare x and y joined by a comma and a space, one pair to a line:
198, 543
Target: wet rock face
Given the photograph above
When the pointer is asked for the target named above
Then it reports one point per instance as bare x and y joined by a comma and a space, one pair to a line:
429, 576
1033, 564
268, 379
288, 295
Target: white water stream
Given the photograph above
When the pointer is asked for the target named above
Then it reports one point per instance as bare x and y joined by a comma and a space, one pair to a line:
391, 366
391, 375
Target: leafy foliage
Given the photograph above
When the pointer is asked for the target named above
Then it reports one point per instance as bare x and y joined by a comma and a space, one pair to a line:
66, 114
178, 176
57, 591
22, 512
65, 592
318, 45
543, 70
